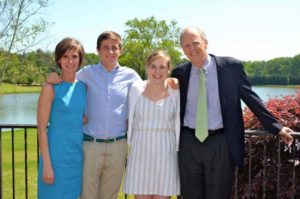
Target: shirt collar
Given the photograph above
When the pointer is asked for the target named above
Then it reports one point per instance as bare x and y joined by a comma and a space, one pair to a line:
206, 66
103, 69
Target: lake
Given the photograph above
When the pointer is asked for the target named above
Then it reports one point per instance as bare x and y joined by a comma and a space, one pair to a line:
21, 108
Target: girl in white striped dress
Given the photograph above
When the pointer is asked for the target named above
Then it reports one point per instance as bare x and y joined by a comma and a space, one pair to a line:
153, 134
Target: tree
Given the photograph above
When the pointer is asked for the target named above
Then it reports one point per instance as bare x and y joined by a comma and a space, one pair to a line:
295, 69
14, 72
20, 27
279, 66
90, 58
254, 68
36, 66
146, 35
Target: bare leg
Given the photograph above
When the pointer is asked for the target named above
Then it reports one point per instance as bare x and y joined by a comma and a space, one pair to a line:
143, 197
161, 197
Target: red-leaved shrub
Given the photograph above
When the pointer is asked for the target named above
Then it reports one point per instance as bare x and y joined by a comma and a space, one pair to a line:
264, 154
285, 109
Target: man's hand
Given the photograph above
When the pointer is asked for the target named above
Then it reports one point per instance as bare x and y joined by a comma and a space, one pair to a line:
54, 78
173, 83
285, 135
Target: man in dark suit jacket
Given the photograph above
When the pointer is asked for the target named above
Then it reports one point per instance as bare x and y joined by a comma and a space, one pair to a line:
207, 168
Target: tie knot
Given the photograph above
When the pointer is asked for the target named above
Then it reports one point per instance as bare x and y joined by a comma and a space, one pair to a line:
202, 72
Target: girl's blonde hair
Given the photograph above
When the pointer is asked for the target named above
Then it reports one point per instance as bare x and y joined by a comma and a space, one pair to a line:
158, 54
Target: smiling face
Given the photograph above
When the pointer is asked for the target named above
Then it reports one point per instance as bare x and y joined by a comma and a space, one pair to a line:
194, 46
69, 53
70, 61
109, 53
158, 69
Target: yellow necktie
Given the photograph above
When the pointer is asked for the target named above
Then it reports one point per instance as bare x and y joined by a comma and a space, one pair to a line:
201, 116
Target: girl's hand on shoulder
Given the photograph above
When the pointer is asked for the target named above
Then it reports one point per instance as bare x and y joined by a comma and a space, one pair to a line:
173, 83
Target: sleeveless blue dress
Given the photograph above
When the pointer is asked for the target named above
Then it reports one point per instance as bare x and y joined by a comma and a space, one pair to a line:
65, 138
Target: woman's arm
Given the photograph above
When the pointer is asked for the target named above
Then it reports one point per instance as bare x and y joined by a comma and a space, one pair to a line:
43, 114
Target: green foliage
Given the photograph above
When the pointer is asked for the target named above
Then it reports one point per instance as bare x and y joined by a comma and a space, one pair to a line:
31, 68
278, 66
294, 80
277, 71
269, 80
145, 35
254, 68
28, 68
274, 80
20, 66
21, 25
295, 68
90, 58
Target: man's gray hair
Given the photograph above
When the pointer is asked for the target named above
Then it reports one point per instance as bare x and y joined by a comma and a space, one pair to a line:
198, 29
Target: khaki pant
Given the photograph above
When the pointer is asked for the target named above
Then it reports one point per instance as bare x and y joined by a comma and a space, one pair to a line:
103, 168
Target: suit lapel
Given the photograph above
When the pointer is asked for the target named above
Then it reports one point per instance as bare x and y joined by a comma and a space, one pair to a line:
186, 79
223, 88
184, 85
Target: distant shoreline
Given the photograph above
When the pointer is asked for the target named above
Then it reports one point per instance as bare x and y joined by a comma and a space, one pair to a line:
6, 88
283, 86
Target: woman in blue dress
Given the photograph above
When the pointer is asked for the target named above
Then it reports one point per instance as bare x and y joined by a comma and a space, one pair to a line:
61, 107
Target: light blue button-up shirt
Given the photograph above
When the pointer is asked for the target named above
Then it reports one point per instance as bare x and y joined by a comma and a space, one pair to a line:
106, 99
212, 92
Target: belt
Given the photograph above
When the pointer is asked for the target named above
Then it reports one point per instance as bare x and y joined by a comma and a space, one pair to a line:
108, 140
216, 131
210, 132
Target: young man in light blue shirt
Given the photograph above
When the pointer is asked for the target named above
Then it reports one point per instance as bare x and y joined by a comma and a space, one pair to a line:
105, 146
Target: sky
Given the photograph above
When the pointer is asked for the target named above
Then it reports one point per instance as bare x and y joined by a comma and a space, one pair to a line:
250, 30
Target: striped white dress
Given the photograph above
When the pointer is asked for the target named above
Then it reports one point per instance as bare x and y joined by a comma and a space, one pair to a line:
152, 166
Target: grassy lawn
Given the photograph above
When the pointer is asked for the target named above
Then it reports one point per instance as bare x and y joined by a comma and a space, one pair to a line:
12, 89
19, 157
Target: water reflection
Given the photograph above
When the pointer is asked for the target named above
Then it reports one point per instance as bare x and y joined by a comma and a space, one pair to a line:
18, 108
266, 92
